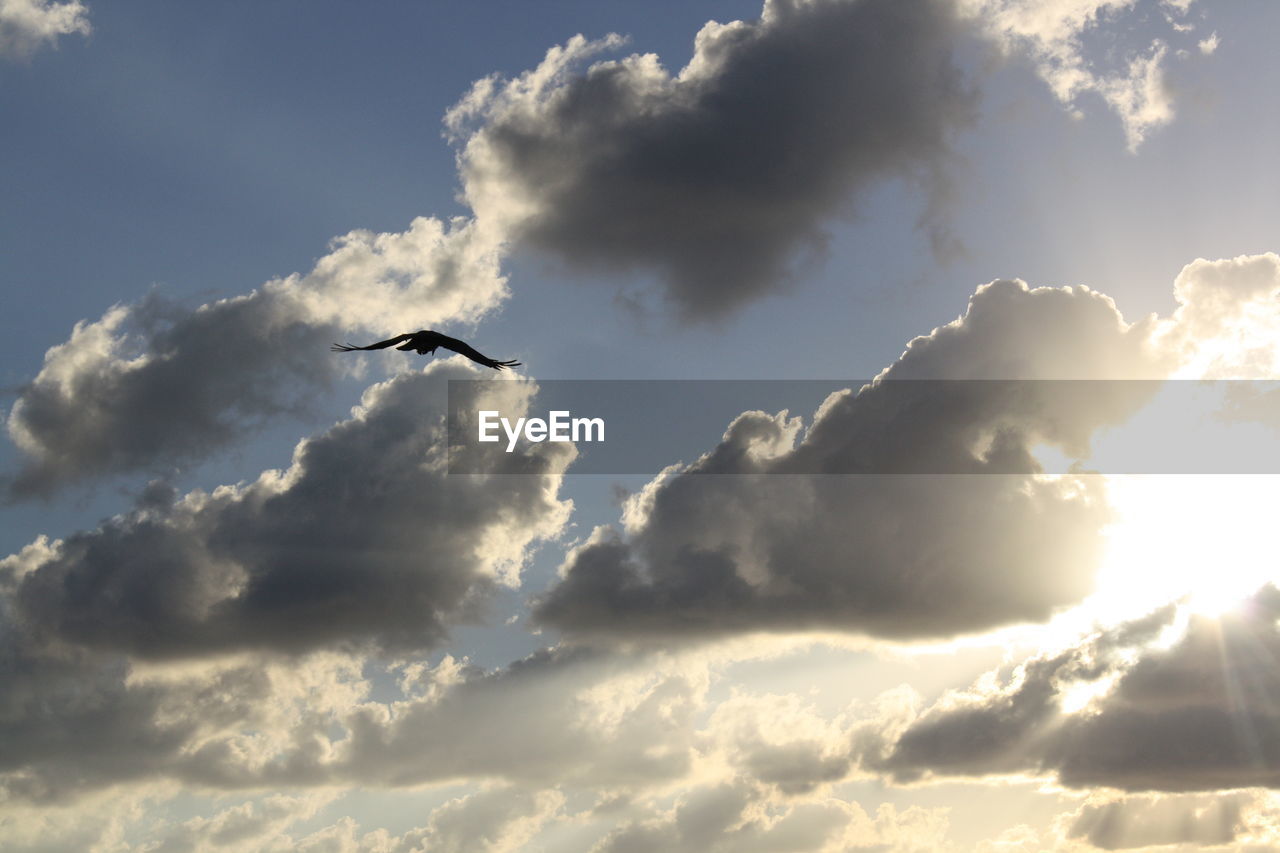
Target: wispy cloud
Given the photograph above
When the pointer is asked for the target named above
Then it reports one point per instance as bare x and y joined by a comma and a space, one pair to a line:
1054, 36
28, 25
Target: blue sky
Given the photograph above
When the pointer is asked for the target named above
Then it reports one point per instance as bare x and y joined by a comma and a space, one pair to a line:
241, 614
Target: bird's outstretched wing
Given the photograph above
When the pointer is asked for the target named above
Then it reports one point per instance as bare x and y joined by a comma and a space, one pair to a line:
463, 348
427, 341
379, 345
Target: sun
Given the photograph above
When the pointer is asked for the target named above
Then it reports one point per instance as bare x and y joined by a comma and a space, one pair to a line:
1206, 539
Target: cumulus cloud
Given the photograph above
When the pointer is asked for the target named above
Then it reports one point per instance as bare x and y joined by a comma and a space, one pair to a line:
978, 538
1227, 317
363, 540
154, 384
168, 643
767, 545
718, 176
27, 25
1195, 714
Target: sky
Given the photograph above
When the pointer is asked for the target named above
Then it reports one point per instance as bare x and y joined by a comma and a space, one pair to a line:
909, 568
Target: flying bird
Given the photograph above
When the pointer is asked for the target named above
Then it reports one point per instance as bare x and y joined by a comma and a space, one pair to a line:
426, 342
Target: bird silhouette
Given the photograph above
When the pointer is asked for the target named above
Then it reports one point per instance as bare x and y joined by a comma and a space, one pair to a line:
426, 342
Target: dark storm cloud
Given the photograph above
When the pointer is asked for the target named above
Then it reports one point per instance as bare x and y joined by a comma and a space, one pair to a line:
719, 176
772, 543
154, 385
363, 541
1199, 715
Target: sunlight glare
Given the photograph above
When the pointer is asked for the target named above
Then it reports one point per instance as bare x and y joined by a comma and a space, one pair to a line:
1205, 538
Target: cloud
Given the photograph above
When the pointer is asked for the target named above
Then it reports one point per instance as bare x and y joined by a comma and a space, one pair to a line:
775, 542
77, 721
1053, 36
491, 821
1153, 821
179, 643
976, 540
1196, 714
719, 176
740, 817
363, 541
776, 740
28, 25
1197, 717
248, 827
84, 825
1227, 318
152, 385
577, 717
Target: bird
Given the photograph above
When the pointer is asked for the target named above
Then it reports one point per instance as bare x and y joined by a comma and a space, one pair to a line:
426, 342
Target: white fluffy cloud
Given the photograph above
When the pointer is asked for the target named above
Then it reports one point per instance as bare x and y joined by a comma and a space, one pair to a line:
154, 384
27, 25
1227, 319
